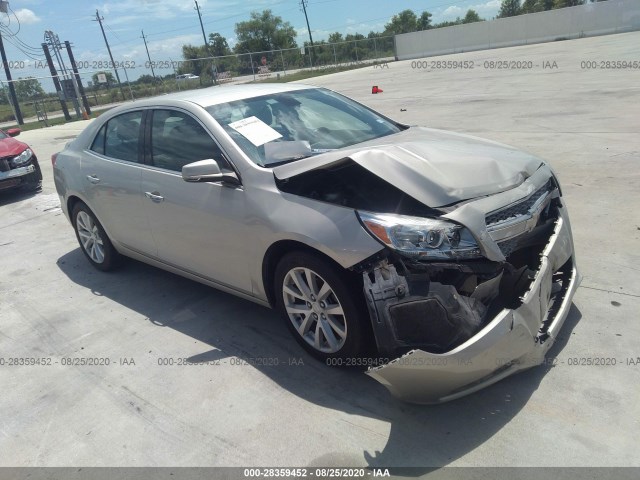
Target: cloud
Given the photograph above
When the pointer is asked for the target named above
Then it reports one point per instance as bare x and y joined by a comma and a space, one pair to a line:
26, 16
173, 46
169, 9
486, 10
453, 11
365, 28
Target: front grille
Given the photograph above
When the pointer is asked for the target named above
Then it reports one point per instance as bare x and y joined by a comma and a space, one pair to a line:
505, 223
519, 208
4, 165
509, 246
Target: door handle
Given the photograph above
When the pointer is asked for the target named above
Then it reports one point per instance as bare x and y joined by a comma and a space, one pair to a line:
154, 196
93, 179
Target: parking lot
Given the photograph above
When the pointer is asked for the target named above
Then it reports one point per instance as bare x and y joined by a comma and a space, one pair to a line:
190, 376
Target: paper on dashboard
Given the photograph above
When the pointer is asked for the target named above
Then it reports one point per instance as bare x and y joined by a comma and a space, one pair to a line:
255, 130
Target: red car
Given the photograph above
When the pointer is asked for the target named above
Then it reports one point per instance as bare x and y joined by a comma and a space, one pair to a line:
18, 164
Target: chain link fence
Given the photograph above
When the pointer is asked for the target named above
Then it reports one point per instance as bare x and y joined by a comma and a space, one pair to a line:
255, 66
39, 101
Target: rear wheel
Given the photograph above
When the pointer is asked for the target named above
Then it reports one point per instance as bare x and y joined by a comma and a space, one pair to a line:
94, 242
321, 309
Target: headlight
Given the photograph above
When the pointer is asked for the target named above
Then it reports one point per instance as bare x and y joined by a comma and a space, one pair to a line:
23, 158
421, 237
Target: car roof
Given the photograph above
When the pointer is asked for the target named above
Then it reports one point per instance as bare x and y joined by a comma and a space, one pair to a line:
206, 97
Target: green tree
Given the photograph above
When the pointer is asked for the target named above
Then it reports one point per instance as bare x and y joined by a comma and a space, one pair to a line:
567, 3
263, 32
533, 6
146, 78
335, 37
28, 88
448, 23
424, 22
509, 8
218, 45
471, 17
110, 79
404, 22
189, 54
201, 68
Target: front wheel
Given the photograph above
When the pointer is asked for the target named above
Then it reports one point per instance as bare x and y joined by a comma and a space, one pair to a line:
94, 242
323, 312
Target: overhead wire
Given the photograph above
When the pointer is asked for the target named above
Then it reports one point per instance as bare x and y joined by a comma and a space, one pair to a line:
12, 37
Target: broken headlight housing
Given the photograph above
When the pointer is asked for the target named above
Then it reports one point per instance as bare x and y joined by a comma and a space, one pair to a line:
421, 238
23, 158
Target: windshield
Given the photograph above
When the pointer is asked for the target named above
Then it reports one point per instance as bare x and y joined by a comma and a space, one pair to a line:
284, 127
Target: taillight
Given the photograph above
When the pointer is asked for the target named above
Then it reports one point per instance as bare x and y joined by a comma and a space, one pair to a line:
54, 157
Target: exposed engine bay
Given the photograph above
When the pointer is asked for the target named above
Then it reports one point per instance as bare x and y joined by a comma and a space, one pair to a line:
350, 185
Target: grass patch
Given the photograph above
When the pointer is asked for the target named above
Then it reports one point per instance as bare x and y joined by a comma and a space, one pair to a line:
318, 72
52, 121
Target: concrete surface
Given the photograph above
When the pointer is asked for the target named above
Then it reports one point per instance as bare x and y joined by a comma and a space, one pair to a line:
299, 412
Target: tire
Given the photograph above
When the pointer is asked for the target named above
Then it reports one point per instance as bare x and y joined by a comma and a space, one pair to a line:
33, 181
93, 240
329, 319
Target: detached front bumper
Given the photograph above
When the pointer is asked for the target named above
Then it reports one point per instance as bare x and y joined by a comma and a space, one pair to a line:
515, 339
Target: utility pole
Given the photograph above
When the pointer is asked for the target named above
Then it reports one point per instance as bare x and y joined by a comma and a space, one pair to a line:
149, 56
204, 37
78, 84
113, 64
12, 89
304, 9
54, 42
56, 81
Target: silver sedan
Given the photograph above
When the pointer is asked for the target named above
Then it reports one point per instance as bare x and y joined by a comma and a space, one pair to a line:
441, 261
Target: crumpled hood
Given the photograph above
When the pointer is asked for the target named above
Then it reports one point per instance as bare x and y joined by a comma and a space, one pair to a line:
435, 167
10, 147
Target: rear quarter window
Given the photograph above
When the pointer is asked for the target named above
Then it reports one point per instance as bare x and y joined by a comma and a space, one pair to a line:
120, 137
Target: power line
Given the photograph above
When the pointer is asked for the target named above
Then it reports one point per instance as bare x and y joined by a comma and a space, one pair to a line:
216, 20
30, 55
114, 32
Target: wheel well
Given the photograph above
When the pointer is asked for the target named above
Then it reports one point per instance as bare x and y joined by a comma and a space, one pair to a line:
275, 253
71, 202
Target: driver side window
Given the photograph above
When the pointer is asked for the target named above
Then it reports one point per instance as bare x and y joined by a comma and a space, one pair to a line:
178, 139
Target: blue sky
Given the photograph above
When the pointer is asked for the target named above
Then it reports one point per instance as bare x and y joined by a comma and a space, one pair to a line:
169, 24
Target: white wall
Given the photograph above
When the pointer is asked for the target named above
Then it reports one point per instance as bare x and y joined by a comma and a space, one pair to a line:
612, 16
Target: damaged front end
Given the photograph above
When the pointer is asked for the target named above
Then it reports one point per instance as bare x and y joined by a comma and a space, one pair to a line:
454, 327
463, 294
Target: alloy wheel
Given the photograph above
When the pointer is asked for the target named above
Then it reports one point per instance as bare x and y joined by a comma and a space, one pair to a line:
314, 310
90, 237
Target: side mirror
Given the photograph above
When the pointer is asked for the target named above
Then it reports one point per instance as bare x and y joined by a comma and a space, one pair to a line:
13, 132
208, 171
